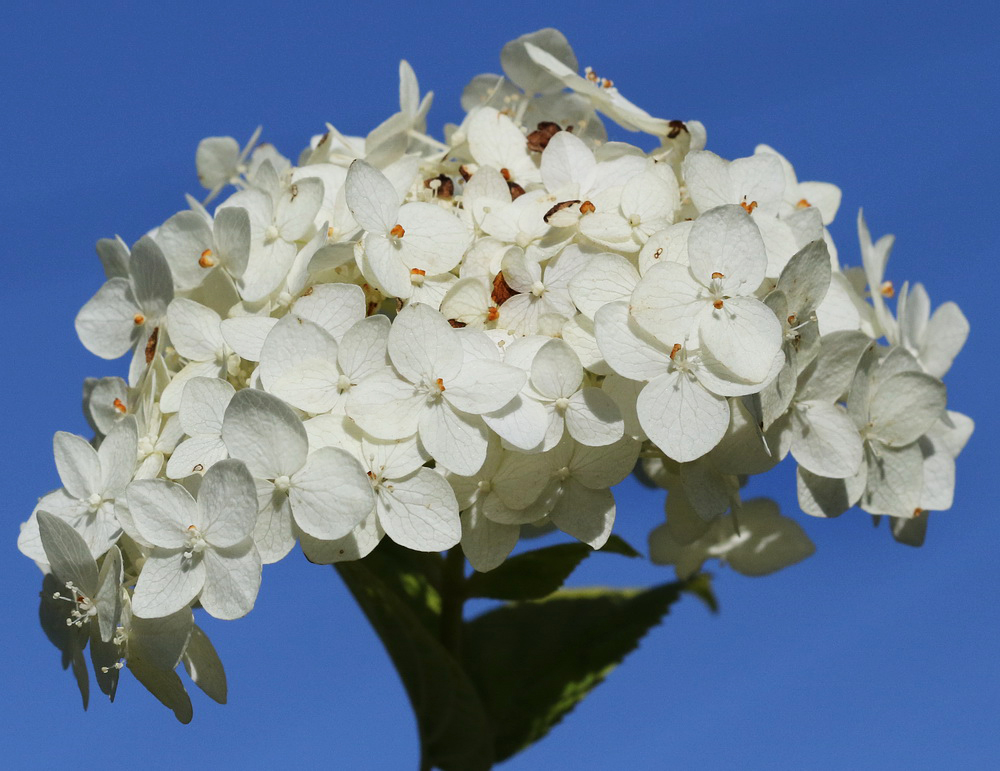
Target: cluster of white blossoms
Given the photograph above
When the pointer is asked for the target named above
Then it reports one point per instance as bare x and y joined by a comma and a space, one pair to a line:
442, 343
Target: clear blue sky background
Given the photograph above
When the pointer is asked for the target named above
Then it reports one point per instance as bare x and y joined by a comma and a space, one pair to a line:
868, 655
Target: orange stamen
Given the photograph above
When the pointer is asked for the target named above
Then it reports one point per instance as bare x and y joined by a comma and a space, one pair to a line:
492, 313
717, 275
587, 208
440, 383
674, 351
417, 271
717, 304
397, 231
119, 405
206, 260
803, 204
749, 207
139, 319
887, 289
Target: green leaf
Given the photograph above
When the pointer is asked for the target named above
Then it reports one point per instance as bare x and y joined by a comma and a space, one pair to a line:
533, 662
402, 605
700, 586
536, 574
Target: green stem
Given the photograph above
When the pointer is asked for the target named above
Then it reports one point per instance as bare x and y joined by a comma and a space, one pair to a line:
452, 600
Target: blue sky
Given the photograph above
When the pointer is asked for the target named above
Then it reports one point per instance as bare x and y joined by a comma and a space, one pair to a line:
868, 655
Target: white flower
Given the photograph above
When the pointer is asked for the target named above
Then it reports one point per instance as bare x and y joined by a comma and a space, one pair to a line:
92, 481
434, 389
713, 301
540, 293
202, 409
201, 548
405, 242
127, 313
755, 542
587, 413
325, 492
195, 245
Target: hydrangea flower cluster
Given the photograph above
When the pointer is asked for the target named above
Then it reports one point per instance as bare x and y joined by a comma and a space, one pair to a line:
460, 342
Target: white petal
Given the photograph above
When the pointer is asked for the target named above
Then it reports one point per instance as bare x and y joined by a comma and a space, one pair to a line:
117, 455
203, 406
483, 386
433, 241
78, 465
265, 433
335, 307
194, 330
371, 198
486, 543
331, 494
105, 323
681, 417
195, 455
593, 418
606, 278
298, 364
162, 511
386, 406
422, 345
905, 406
420, 512
227, 501
67, 553
556, 371
455, 440
168, 582
297, 207
232, 580
627, 349
183, 238
726, 240
246, 334
587, 515
825, 441
273, 532
744, 336
232, 237
522, 422
356, 545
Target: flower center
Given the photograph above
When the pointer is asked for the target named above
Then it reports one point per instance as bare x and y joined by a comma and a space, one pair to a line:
282, 483
194, 542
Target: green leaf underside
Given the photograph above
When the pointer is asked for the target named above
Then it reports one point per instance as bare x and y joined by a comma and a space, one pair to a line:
523, 666
533, 662
455, 733
537, 574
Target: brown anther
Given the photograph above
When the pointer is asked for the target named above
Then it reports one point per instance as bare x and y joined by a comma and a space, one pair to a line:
917, 512
397, 231
587, 208
322, 140
559, 207
749, 207
151, 344
456, 323
329, 232
658, 253
417, 272
676, 127
198, 467
717, 275
538, 139
445, 188
119, 406
192, 527
440, 383
675, 350
464, 171
206, 260
138, 319
294, 191
887, 289
308, 292
803, 204
371, 474
505, 173
501, 290
717, 304
516, 191
371, 308
792, 319
492, 313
